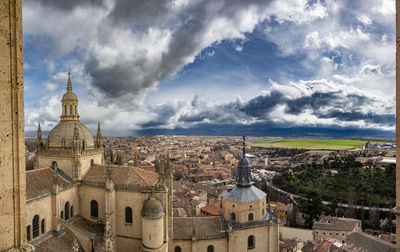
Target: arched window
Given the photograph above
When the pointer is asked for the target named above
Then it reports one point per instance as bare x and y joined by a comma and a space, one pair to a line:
76, 110
233, 216
65, 109
62, 214
251, 242
66, 209
42, 227
210, 248
28, 233
91, 162
250, 216
178, 249
72, 211
94, 209
35, 226
54, 165
263, 212
70, 109
128, 215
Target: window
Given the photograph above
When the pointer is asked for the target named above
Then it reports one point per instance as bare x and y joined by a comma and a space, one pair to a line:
210, 248
35, 226
250, 242
91, 162
94, 209
76, 110
178, 249
62, 214
70, 109
28, 233
42, 228
250, 217
233, 216
72, 211
128, 215
65, 109
263, 212
54, 165
66, 209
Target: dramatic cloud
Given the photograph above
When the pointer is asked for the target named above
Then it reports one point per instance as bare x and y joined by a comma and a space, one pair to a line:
330, 63
130, 46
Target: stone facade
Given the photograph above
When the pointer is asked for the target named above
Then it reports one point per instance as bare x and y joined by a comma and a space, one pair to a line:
335, 227
12, 146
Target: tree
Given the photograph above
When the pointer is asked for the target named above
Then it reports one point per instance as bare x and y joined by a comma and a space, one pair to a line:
311, 206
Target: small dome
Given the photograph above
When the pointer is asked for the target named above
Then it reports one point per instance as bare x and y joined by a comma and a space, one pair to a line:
64, 131
152, 208
244, 162
69, 96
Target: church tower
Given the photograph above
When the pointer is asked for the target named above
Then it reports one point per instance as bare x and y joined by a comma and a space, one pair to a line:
244, 209
12, 140
70, 146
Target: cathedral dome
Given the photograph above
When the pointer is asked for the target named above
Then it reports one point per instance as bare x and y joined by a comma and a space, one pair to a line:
63, 134
69, 96
152, 208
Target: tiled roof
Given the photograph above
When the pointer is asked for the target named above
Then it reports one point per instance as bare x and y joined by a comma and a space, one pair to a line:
53, 243
212, 209
121, 176
336, 223
40, 181
244, 194
369, 243
203, 228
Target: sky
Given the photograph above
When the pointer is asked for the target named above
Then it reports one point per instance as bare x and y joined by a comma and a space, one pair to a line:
213, 67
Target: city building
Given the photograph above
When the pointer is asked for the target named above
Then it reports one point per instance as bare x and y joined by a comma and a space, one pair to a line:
335, 227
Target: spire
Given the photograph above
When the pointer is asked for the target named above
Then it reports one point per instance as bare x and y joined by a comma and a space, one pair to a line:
98, 130
244, 178
69, 84
39, 132
244, 146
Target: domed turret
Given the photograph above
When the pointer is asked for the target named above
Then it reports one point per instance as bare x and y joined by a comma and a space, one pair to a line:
152, 224
152, 208
69, 104
244, 178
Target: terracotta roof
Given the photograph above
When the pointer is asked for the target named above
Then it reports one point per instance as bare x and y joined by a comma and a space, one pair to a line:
336, 223
212, 209
40, 181
53, 243
203, 228
369, 243
121, 176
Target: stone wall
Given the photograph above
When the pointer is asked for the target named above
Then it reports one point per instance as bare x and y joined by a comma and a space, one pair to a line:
12, 146
299, 233
266, 239
243, 209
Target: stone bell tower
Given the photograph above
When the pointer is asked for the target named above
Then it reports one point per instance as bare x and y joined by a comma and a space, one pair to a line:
12, 140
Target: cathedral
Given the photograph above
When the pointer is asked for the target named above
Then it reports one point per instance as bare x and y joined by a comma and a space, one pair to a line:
74, 200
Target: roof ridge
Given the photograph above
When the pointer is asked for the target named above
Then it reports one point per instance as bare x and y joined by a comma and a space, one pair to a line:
43, 168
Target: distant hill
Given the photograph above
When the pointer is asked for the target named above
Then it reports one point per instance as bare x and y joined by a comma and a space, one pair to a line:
257, 130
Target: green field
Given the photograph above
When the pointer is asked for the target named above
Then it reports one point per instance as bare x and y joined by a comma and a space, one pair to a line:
326, 144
